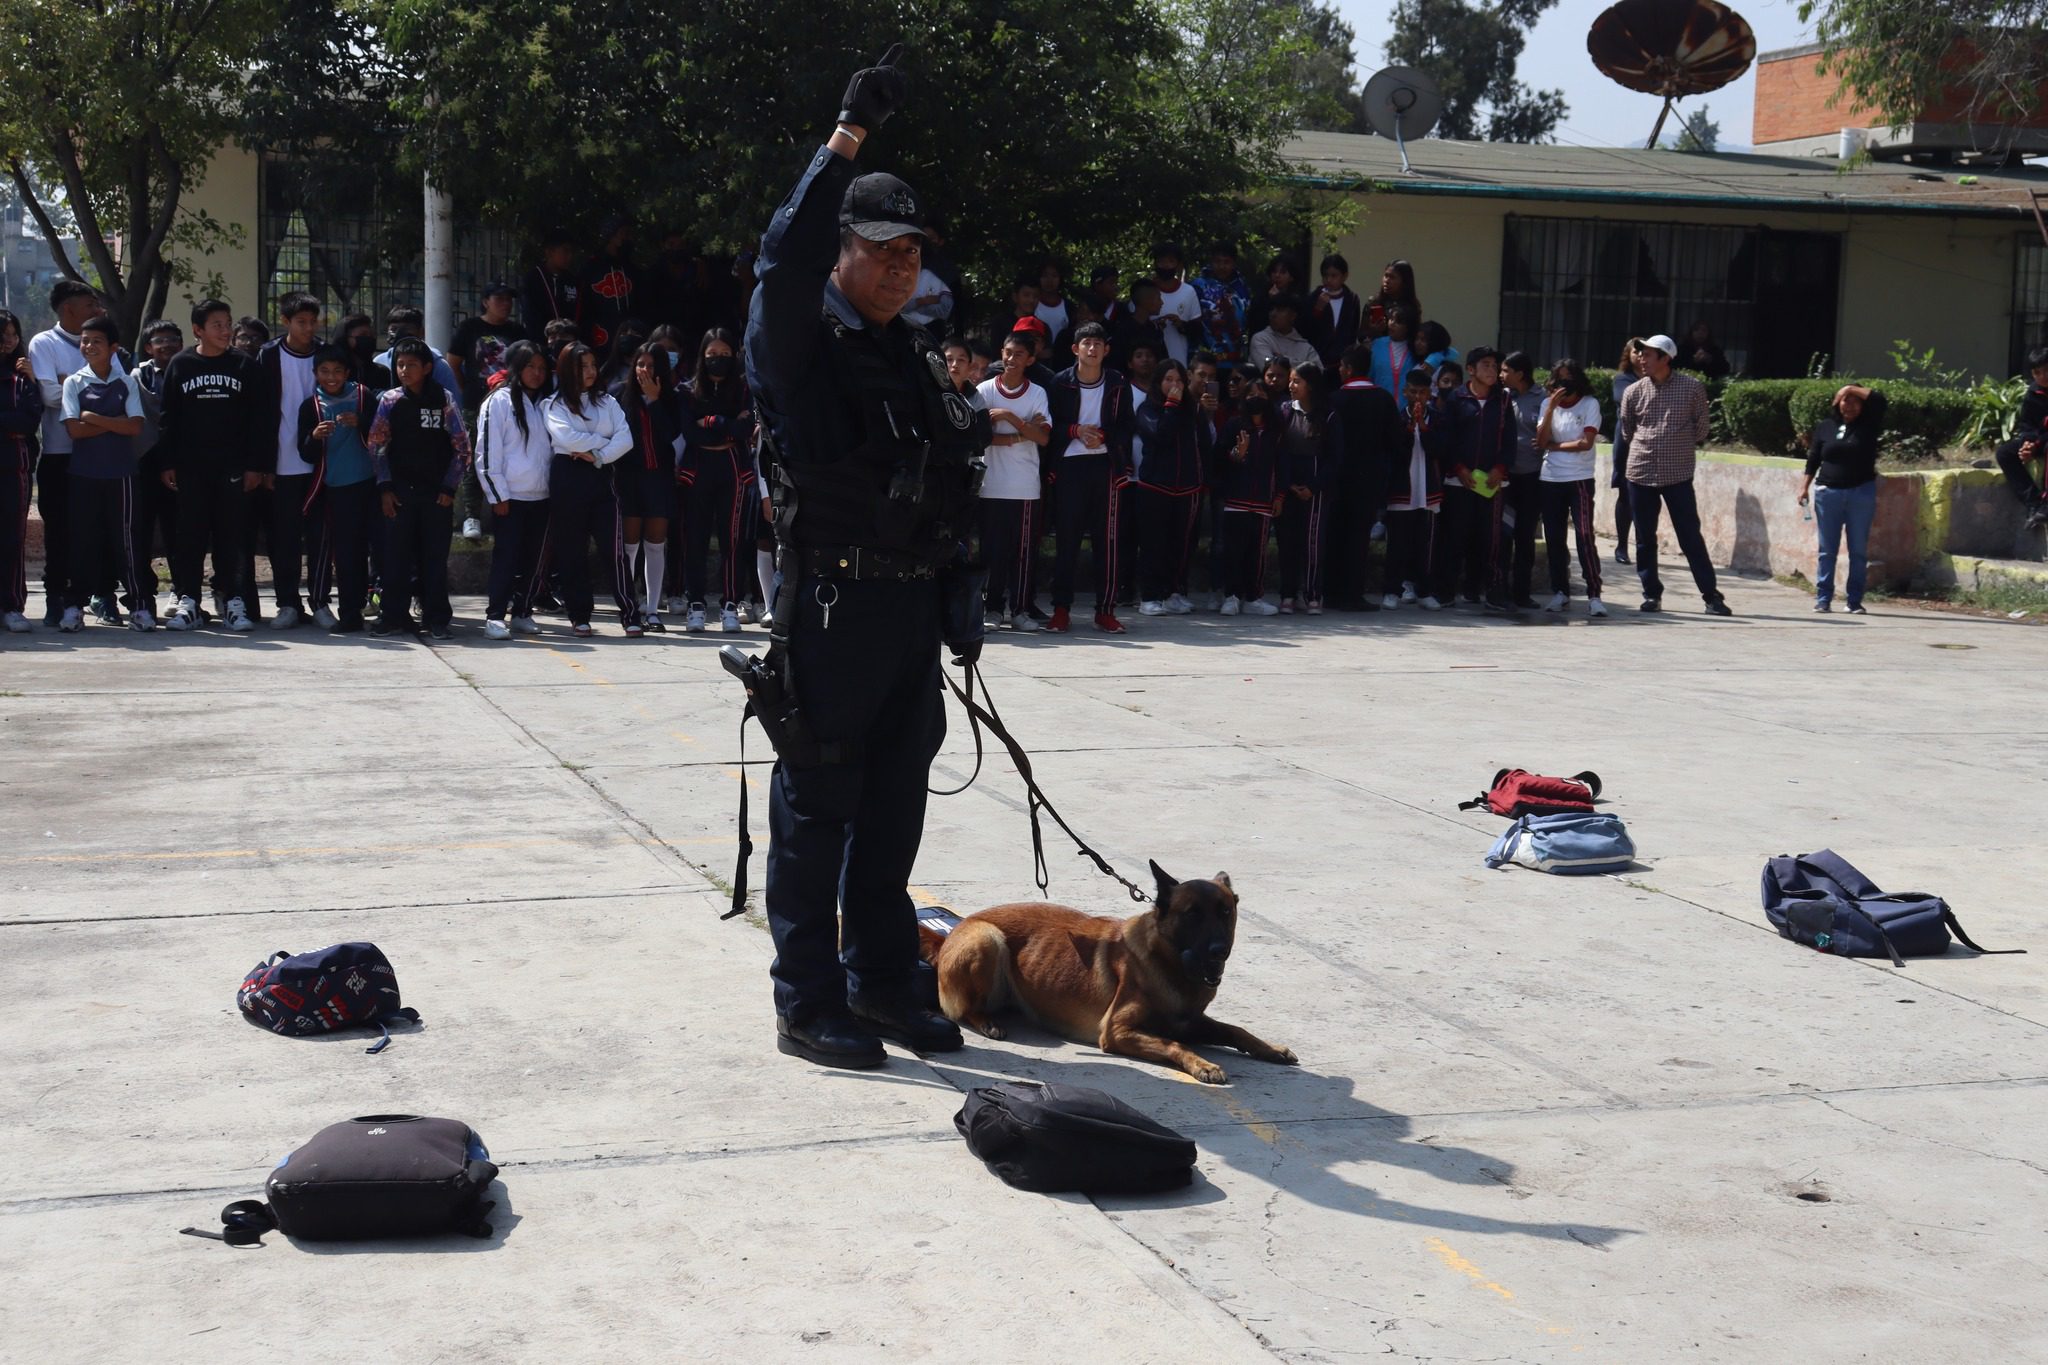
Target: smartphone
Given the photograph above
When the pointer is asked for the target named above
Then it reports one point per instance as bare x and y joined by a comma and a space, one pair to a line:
1214, 389
1378, 315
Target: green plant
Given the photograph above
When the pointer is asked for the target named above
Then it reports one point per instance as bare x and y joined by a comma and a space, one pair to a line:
1994, 410
1757, 413
1930, 416
1923, 368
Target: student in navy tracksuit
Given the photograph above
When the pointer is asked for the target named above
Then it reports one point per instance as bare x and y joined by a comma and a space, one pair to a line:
1169, 490
21, 419
722, 491
1248, 457
333, 430
1090, 459
1373, 436
297, 516
421, 450
1479, 451
1413, 482
1312, 448
103, 414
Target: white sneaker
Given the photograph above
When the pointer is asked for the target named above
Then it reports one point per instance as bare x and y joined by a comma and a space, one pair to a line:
1286, 606
525, 625
1408, 594
238, 616
183, 616
497, 630
324, 618
747, 614
472, 529
695, 620
1151, 608
1595, 607
1390, 603
1431, 604
18, 623
1315, 609
729, 618
1259, 606
1178, 605
767, 621
141, 619
1558, 602
286, 618
1231, 606
1022, 623
72, 619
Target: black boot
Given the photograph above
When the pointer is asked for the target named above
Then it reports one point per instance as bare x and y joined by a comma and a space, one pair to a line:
904, 1021
830, 1040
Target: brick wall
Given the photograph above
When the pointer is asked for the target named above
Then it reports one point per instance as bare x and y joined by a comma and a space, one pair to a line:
1792, 97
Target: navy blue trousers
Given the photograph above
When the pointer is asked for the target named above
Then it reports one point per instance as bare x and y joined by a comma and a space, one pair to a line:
842, 837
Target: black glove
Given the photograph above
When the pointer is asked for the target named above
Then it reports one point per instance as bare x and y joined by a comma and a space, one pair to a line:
967, 655
875, 92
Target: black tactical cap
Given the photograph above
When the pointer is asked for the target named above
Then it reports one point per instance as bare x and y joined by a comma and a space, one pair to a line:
881, 208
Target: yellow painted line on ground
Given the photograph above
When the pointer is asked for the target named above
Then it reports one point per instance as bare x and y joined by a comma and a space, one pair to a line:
1265, 1132
559, 654
744, 777
679, 737
1448, 1255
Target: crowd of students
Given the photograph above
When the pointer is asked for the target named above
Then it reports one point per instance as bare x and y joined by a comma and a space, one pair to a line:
1178, 425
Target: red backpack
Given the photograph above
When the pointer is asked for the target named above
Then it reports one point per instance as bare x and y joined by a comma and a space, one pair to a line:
1516, 793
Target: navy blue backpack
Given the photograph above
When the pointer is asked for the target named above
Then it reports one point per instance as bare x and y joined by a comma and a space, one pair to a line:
1820, 900
350, 985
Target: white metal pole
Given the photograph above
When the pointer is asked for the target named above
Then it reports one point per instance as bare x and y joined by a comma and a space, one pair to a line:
439, 250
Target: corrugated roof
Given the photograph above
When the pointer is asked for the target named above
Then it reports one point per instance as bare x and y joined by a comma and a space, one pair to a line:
1635, 175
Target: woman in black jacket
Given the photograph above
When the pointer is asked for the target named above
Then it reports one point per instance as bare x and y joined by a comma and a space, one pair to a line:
1841, 481
1169, 489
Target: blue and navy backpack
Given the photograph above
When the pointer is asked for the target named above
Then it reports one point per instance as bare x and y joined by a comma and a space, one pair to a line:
350, 985
1821, 900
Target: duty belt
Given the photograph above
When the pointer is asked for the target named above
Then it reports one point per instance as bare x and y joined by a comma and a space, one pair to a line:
852, 563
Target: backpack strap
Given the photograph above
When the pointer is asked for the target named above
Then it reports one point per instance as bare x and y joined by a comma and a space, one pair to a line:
407, 1015
1948, 917
243, 1224
1882, 936
1591, 779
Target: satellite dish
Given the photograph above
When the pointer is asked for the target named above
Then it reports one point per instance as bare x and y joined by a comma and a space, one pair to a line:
1400, 103
1672, 48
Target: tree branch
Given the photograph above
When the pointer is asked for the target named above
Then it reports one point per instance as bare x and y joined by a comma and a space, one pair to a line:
36, 211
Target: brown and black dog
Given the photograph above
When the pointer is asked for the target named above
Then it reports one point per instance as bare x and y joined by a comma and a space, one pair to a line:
1138, 987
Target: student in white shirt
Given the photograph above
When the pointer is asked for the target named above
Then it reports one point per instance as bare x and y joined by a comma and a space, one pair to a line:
1180, 305
53, 357
1020, 421
589, 432
1278, 337
1566, 433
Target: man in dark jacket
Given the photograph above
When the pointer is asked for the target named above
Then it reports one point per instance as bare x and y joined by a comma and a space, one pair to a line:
2029, 441
1374, 435
219, 441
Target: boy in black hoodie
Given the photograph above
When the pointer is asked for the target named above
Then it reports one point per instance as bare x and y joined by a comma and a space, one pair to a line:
217, 437
420, 450
2029, 441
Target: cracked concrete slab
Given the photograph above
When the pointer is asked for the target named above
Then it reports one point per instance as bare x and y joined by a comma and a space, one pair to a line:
1537, 1119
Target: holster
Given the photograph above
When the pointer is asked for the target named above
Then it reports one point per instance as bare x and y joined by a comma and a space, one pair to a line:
962, 588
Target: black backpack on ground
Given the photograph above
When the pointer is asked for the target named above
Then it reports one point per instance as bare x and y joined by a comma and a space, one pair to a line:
1056, 1138
1821, 900
383, 1175
350, 985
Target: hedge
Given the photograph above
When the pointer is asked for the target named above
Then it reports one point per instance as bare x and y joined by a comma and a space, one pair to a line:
1930, 415
1758, 413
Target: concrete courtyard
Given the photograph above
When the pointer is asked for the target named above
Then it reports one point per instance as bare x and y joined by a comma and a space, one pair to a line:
1537, 1119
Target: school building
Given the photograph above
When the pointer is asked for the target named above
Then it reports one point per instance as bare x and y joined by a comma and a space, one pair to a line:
1790, 259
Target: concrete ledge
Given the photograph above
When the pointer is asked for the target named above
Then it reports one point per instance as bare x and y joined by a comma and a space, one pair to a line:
1975, 573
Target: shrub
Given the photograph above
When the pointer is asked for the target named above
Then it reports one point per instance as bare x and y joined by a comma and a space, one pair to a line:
1757, 413
1994, 411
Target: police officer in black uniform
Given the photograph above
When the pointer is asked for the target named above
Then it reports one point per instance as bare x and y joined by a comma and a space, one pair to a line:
873, 473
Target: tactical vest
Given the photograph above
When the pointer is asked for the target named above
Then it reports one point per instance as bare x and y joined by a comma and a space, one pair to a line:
910, 483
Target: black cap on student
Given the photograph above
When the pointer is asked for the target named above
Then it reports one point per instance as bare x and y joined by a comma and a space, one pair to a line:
881, 208
497, 287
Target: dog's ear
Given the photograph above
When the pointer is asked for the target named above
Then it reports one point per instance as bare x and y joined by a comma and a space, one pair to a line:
1222, 879
1163, 884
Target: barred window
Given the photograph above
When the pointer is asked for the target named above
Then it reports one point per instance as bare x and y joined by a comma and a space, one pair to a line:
2029, 300
1583, 287
342, 234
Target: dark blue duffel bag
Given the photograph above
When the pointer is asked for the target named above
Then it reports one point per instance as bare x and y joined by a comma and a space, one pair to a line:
1820, 900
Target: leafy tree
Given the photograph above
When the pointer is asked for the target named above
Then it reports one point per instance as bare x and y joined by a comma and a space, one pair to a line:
1898, 56
1698, 133
1094, 125
1470, 50
121, 105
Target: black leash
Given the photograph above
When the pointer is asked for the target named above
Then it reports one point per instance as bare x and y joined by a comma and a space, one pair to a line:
978, 716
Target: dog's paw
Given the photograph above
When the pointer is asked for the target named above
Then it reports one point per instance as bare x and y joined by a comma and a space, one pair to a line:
1208, 1073
995, 1033
1283, 1056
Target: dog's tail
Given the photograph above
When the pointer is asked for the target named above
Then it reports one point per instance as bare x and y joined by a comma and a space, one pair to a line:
929, 941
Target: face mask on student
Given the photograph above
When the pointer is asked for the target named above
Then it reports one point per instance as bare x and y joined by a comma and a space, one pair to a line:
675, 362
718, 366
